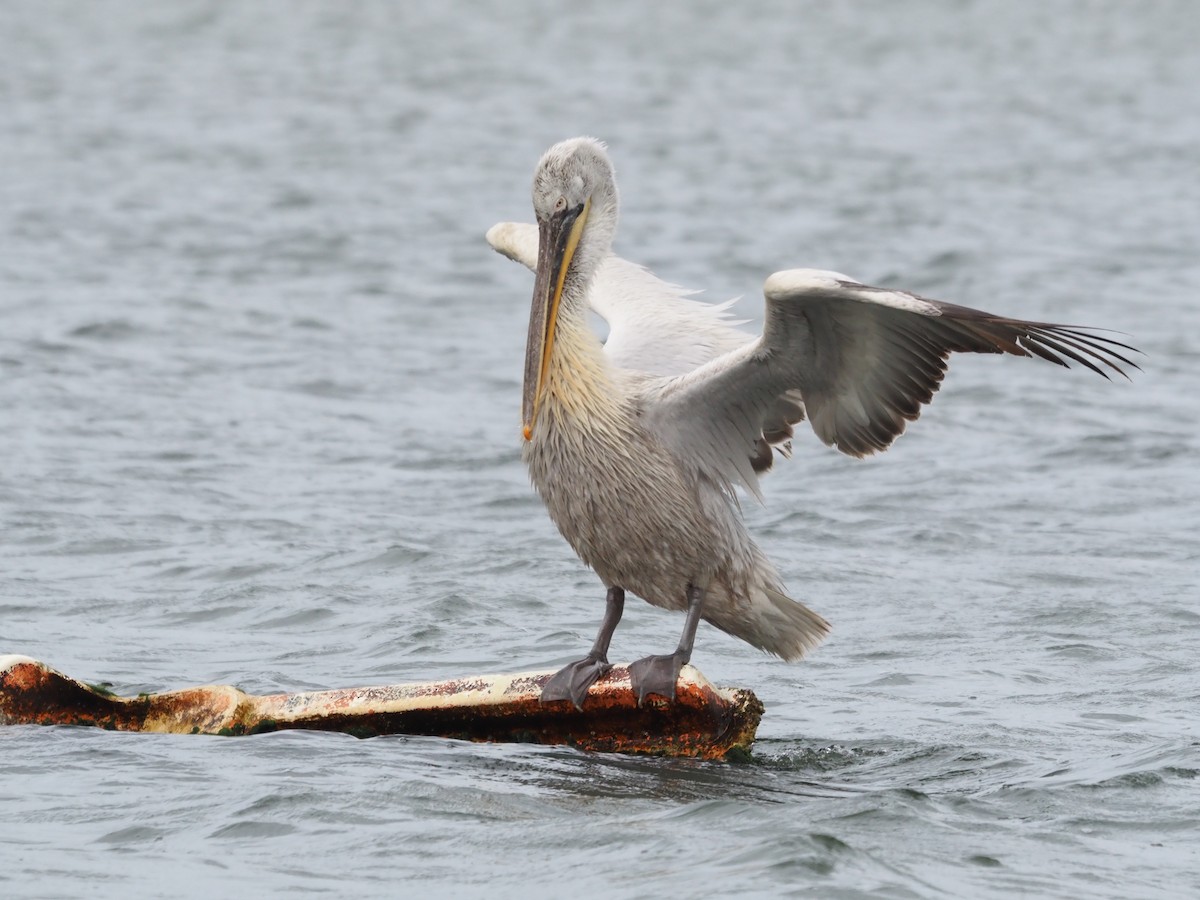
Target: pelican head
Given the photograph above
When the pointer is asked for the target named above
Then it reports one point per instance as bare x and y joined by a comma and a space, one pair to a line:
575, 202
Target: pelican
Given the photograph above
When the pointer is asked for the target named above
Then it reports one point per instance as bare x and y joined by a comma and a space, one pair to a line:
637, 446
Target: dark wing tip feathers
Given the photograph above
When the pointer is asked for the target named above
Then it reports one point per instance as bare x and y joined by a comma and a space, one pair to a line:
1047, 340
924, 355
1064, 344
1082, 345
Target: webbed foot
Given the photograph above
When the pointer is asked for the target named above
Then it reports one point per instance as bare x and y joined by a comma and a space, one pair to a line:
656, 675
572, 681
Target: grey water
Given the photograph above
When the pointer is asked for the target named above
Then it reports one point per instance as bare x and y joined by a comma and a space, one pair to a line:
259, 391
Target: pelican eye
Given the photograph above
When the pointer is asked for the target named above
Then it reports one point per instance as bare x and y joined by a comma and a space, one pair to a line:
560, 204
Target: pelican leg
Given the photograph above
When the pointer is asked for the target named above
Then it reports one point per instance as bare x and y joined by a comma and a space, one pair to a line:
572, 681
658, 674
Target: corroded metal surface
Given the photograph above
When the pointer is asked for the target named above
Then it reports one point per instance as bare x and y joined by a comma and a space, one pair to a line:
703, 721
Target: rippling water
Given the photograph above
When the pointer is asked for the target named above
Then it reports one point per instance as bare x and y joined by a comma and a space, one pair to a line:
259, 381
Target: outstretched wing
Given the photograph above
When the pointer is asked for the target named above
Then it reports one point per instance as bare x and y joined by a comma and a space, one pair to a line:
864, 359
655, 327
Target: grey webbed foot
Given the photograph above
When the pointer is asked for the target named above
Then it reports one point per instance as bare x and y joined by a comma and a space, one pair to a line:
572, 681
656, 675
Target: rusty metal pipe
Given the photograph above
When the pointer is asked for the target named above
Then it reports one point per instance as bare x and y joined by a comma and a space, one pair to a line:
703, 721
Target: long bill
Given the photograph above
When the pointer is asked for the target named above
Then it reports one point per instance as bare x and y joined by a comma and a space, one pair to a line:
558, 238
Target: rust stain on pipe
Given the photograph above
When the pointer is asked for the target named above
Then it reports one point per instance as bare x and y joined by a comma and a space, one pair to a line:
703, 721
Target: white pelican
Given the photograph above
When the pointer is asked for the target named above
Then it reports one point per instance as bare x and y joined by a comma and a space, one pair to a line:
636, 446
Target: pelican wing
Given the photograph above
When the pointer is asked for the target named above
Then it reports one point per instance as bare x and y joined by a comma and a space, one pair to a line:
654, 327
516, 240
864, 359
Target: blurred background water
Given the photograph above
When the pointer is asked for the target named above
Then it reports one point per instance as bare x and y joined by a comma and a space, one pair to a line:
259, 390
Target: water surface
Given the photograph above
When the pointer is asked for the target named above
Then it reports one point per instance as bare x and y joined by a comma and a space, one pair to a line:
259, 389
